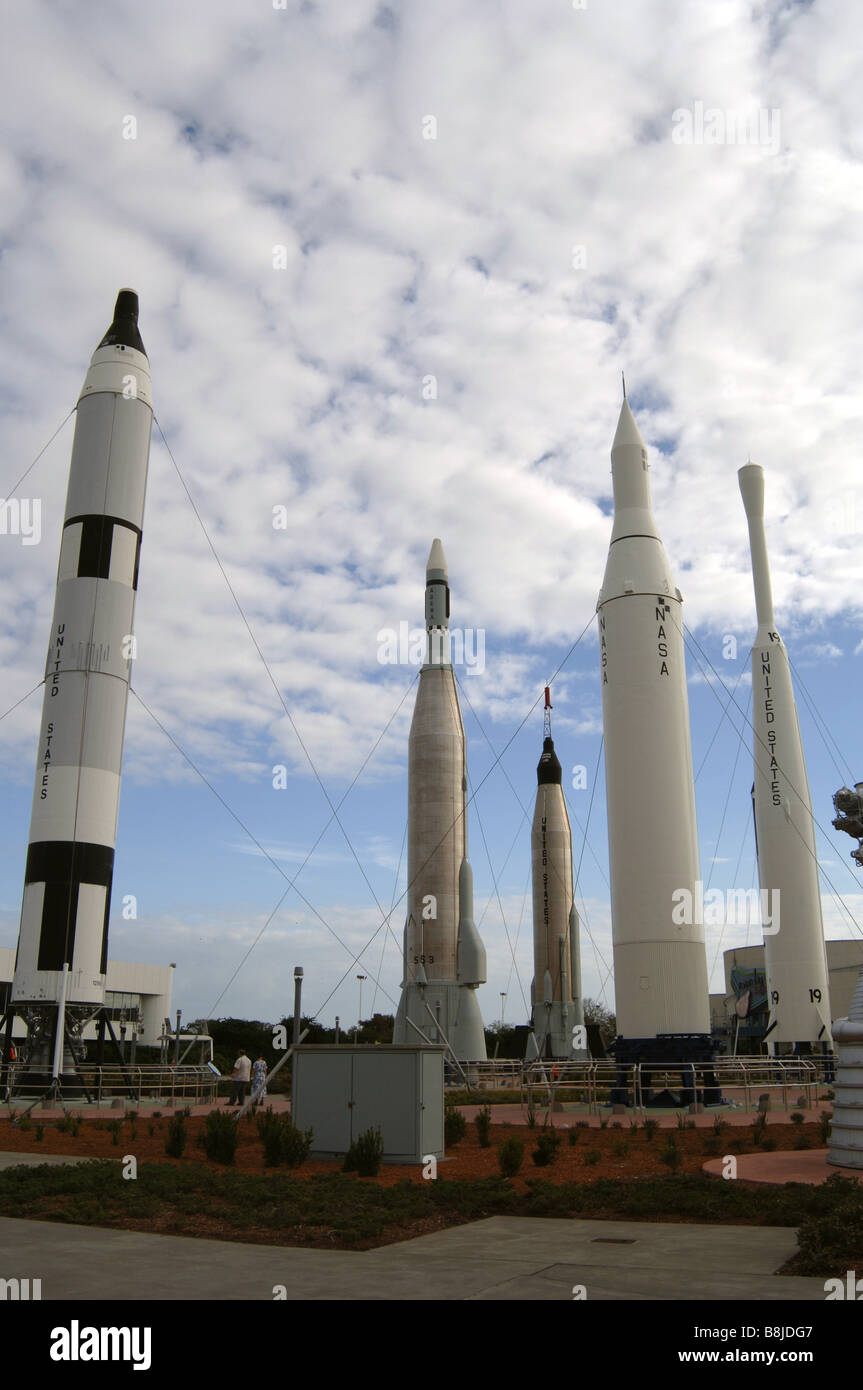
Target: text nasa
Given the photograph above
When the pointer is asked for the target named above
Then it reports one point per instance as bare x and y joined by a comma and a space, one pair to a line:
76, 1343
662, 612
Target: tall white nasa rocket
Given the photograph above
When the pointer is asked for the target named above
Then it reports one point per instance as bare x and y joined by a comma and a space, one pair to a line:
443, 956
63, 936
660, 962
794, 951
556, 989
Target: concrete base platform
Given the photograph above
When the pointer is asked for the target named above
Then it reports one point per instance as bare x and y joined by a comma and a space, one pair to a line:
796, 1165
501, 1259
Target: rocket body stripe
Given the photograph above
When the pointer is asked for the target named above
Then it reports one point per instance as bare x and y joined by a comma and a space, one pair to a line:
660, 965
795, 955
444, 961
67, 895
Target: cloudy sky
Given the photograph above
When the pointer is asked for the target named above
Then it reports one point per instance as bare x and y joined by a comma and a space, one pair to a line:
392, 259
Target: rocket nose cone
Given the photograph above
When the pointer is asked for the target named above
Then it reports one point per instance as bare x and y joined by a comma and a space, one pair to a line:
627, 435
751, 480
548, 768
124, 325
437, 559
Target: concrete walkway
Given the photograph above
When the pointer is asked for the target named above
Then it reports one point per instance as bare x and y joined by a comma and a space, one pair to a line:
499, 1259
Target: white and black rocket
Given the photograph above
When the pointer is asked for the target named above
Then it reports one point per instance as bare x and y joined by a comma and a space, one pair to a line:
443, 957
660, 961
556, 988
63, 936
794, 952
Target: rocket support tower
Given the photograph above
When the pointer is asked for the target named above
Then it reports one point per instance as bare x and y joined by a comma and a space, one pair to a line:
443, 956
63, 937
794, 952
660, 962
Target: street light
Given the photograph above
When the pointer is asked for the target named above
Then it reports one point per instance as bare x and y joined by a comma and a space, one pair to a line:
357, 1033
500, 1029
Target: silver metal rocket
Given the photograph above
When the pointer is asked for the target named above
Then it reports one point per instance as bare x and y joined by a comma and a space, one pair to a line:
556, 988
63, 936
794, 952
444, 958
660, 963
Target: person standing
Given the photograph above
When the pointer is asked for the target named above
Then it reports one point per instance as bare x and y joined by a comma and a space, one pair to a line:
240, 1078
259, 1080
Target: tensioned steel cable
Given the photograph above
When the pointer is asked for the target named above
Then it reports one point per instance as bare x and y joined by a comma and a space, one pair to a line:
29, 470
272, 679
355, 959
694, 641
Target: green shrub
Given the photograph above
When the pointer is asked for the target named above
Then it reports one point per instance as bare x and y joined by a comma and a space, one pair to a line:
615, 1124
296, 1143
220, 1137
620, 1148
509, 1156
176, 1140
25, 1123
796, 1117
825, 1122
650, 1128
454, 1126
547, 1145
829, 1242
768, 1143
366, 1153
802, 1141
603, 1121
719, 1124
132, 1116
482, 1120
582, 1124
572, 1138
680, 1117
40, 1132
711, 1145
115, 1131
282, 1141
151, 1130
671, 1155
592, 1156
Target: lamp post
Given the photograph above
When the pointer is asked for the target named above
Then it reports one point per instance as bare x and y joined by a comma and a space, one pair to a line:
500, 1029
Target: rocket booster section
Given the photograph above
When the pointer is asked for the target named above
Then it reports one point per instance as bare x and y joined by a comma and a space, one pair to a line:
557, 1007
444, 959
794, 951
660, 964
70, 860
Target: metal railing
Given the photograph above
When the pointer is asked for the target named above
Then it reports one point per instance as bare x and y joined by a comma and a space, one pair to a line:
792, 1083
188, 1085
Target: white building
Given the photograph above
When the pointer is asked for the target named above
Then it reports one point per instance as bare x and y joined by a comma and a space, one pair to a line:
138, 996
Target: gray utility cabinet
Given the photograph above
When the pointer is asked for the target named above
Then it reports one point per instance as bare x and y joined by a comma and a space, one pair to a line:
339, 1092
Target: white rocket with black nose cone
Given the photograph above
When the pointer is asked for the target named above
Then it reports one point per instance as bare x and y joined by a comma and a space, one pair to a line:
444, 959
67, 884
556, 988
660, 963
794, 952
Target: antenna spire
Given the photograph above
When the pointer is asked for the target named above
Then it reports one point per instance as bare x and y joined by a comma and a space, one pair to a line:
546, 723
623, 379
